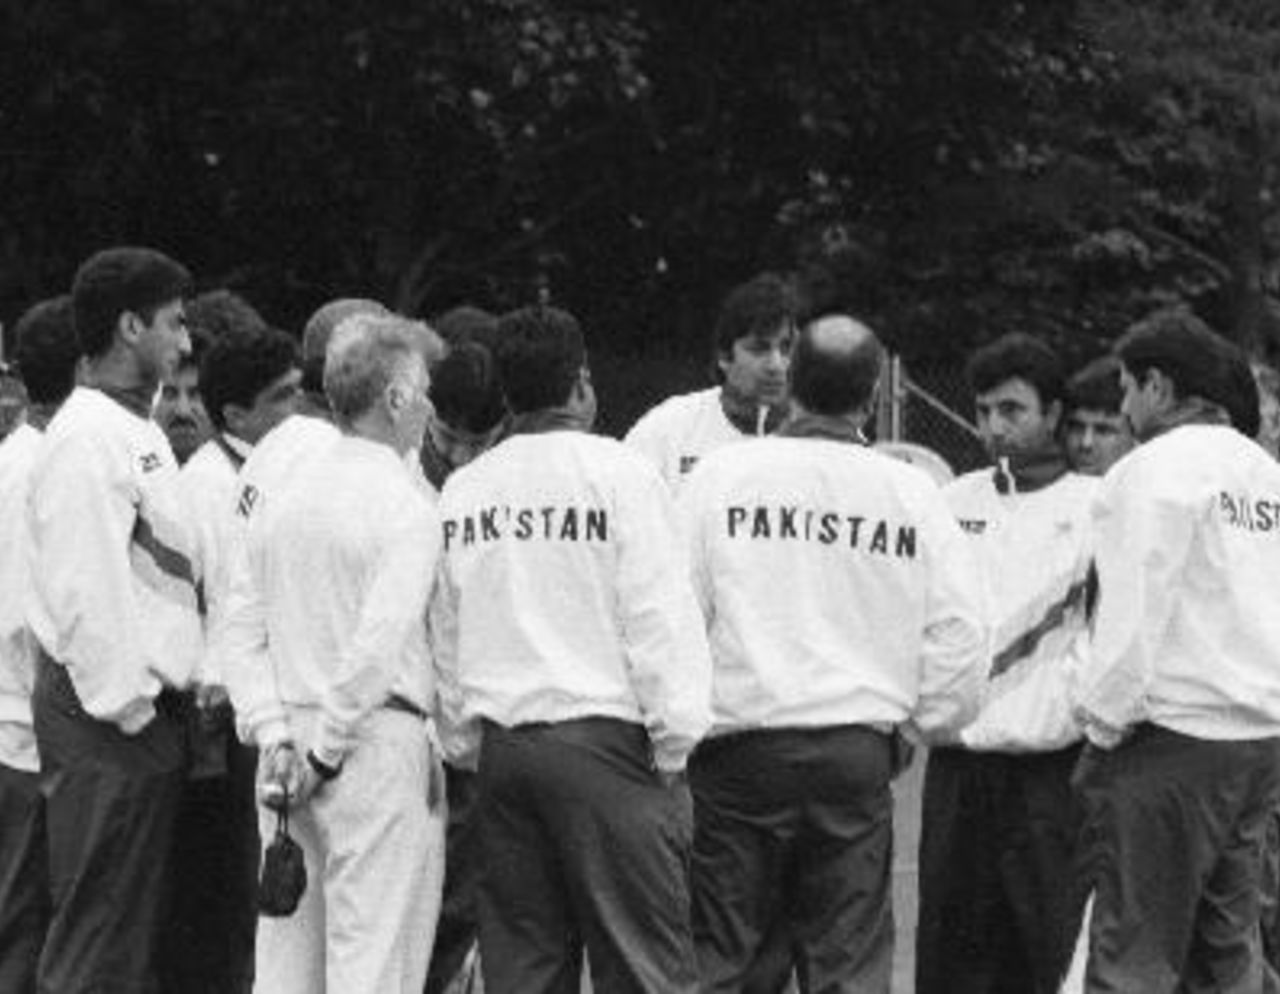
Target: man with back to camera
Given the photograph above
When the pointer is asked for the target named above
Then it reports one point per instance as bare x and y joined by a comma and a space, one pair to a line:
1095, 434
46, 353
753, 335
345, 559
1181, 698
569, 645
113, 606
1000, 901
249, 379
794, 815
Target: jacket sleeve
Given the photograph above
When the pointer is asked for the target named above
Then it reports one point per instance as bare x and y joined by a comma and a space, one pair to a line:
663, 632
956, 649
1143, 533
83, 513
393, 611
459, 737
238, 641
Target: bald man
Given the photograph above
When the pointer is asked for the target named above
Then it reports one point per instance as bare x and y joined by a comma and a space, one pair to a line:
877, 625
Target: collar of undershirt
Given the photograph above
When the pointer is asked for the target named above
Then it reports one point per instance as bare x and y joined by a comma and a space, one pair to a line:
548, 419
744, 413
822, 426
136, 400
1032, 472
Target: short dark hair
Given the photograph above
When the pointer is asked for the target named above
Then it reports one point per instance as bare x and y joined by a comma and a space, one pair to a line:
46, 350
222, 312
540, 353
1197, 361
1018, 356
239, 367
465, 389
117, 280
1096, 387
466, 323
201, 343
834, 382
758, 307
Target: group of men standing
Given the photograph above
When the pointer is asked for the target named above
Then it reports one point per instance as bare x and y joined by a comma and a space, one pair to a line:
665, 682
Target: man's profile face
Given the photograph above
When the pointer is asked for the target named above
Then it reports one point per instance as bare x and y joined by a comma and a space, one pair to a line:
180, 412
755, 369
1013, 421
163, 341
1095, 439
1143, 403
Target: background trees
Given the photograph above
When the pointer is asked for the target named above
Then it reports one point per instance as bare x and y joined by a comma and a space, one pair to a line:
956, 168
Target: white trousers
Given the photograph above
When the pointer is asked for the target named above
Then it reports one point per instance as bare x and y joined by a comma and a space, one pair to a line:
375, 869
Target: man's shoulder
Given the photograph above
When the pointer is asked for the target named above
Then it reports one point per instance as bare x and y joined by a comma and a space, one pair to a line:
677, 411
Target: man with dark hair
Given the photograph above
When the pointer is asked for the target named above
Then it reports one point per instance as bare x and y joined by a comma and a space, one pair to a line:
470, 411
44, 344
249, 380
222, 313
753, 335
1000, 903
113, 607
878, 626
569, 645
179, 408
1181, 697
1095, 434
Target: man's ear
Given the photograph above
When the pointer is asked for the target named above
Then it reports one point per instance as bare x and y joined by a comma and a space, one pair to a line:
129, 327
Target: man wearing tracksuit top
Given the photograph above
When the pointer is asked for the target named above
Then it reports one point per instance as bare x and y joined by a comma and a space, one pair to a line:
877, 625
569, 642
1181, 698
1000, 900
46, 353
113, 607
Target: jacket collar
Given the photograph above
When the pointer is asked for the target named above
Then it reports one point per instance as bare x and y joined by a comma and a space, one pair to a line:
804, 425
1026, 474
545, 420
135, 400
749, 417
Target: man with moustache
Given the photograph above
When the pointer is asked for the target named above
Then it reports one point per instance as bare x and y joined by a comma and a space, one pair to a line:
1095, 434
1000, 902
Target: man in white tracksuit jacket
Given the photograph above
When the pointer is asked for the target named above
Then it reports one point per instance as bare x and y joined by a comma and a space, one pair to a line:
753, 335
344, 561
1182, 695
45, 348
1000, 902
569, 641
878, 624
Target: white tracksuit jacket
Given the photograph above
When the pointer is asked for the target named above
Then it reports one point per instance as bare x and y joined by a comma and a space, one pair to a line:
837, 589
1035, 551
1187, 631
563, 594
113, 595
17, 647
681, 430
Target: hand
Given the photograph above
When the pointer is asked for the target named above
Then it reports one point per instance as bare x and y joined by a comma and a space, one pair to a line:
210, 696
284, 773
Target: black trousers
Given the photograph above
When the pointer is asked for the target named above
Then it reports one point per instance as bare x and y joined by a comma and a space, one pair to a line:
795, 826
24, 880
457, 929
582, 844
1174, 846
111, 800
207, 940
1001, 893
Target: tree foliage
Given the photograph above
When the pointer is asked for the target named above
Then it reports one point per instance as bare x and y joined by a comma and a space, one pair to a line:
953, 168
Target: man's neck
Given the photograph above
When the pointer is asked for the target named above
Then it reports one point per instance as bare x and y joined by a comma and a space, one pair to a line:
39, 415
118, 377
548, 419
749, 415
837, 428
1192, 411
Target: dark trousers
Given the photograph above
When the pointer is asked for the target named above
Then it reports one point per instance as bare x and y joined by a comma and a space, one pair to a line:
206, 945
1001, 895
111, 800
24, 880
1174, 847
582, 844
794, 826
457, 929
